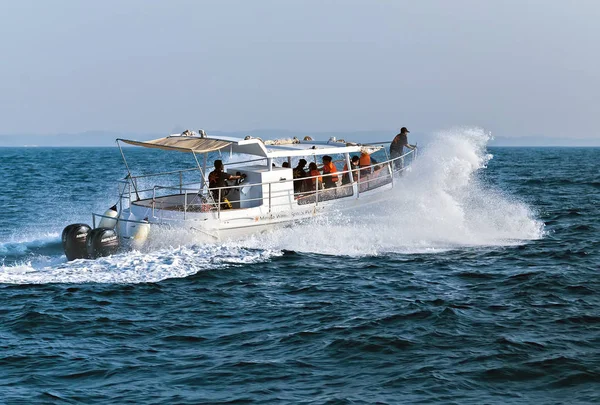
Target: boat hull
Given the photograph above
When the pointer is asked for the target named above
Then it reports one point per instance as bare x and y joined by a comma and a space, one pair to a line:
232, 224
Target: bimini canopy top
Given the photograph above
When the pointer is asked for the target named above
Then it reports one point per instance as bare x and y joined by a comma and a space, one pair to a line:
182, 144
252, 146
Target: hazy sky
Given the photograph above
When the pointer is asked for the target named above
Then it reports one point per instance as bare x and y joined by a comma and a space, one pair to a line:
516, 68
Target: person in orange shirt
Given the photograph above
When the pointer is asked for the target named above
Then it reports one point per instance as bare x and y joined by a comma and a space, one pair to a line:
365, 163
314, 171
329, 173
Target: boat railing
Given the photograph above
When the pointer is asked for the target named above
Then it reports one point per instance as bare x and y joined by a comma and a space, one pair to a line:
135, 180
196, 197
192, 169
243, 162
117, 220
364, 179
140, 186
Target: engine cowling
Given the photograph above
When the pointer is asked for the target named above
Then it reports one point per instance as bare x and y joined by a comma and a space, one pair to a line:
102, 242
74, 238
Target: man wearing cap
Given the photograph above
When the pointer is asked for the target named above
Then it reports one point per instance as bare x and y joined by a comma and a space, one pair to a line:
397, 147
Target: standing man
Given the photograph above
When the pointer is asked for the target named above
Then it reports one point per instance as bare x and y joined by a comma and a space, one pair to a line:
397, 147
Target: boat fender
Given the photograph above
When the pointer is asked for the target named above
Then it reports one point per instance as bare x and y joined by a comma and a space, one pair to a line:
129, 226
102, 242
122, 227
139, 233
74, 238
111, 221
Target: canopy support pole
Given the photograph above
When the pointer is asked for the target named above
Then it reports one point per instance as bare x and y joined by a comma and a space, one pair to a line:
349, 166
128, 171
204, 165
200, 168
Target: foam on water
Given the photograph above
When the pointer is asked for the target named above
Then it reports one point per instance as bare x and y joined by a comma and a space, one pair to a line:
440, 204
133, 266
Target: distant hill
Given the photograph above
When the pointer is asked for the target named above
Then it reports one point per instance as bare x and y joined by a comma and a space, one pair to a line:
107, 138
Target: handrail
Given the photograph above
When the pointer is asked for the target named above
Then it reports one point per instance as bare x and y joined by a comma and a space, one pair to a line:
245, 161
361, 183
283, 192
142, 176
288, 180
300, 195
118, 219
260, 159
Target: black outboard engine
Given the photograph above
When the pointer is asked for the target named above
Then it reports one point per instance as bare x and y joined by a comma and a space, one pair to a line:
74, 238
102, 242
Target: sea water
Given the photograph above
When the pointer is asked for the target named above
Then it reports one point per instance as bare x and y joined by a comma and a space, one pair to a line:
477, 282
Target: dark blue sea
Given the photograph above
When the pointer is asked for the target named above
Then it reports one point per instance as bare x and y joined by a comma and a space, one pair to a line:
478, 282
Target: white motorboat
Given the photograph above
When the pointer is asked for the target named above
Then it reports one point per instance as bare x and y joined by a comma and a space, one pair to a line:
264, 197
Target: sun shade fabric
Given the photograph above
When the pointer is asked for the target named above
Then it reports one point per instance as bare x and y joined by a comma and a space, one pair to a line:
182, 144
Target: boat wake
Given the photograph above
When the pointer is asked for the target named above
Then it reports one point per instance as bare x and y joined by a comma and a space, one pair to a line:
442, 204
134, 266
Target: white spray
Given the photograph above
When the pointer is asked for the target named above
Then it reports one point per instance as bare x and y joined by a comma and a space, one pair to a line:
440, 204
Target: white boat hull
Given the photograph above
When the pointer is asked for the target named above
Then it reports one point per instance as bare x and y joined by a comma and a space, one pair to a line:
233, 224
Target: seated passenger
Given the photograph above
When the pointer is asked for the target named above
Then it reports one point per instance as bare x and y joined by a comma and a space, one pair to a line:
330, 176
365, 163
300, 173
353, 166
285, 164
314, 171
375, 165
216, 179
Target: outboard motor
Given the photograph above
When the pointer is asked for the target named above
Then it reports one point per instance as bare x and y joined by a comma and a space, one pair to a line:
102, 242
74, 238
111, 221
